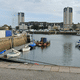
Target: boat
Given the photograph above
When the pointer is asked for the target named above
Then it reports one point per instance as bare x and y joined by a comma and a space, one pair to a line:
2, 52
78, 43
26, 48
43, 42
14, 53
32, 45
78, 34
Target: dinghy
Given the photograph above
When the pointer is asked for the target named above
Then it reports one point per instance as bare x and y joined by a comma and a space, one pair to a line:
26, 48
2, 52
14, 53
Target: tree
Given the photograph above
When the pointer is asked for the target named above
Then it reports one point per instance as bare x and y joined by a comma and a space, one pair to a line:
10, 28
74, 26
17, 27
35, 26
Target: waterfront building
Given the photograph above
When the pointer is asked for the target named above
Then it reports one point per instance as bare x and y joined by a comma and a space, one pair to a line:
68, 13
20, 17
67, 17
23, 26
41, 25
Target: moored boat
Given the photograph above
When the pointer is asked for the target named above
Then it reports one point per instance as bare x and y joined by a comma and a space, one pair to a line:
14, 53
2, 52
26, 48
32, 45
43, 42
78, 43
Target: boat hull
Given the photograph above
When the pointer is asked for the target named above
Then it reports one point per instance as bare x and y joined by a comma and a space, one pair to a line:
15, 53
26, 49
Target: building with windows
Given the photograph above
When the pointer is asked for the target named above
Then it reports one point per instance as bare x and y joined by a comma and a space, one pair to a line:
67, 17
20, 17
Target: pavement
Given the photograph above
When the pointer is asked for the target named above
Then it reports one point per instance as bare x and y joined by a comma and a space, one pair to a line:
37, 67
20, 71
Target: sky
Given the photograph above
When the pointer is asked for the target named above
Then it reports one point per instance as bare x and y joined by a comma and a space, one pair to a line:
37, 10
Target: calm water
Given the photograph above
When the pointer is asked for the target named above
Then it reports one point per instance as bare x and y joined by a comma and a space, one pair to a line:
62, 50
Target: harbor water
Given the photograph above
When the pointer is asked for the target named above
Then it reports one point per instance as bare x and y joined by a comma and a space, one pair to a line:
62, 51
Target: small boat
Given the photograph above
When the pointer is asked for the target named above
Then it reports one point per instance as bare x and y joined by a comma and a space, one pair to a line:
2, 52
26, 48
78, 43
78, 34
14, 53
32, 45
43, 42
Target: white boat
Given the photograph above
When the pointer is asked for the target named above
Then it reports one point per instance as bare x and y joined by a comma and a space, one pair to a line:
26, 48
78, 43
78, 34
14, 53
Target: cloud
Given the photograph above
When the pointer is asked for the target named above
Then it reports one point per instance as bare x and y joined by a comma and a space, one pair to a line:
41, 8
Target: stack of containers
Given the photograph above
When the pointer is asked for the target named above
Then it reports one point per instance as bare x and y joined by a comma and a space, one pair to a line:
5, 33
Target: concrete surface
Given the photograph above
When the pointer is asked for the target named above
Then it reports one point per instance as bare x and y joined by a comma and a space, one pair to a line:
22, 74
11, 65
20, 71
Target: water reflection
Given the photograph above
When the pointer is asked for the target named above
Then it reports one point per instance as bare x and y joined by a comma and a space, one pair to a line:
67, 53
43, 48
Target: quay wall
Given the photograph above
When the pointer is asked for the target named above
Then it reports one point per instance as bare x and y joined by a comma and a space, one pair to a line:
70, 33
54, 32
9, 42
42, 32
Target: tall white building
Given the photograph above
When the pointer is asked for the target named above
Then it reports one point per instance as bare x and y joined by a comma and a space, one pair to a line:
68, 15
20, 17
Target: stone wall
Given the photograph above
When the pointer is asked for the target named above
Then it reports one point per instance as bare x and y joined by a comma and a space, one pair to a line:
6, 43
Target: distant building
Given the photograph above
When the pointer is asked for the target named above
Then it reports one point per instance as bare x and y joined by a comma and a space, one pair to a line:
23, 26
20, 17
67, 18
6, 27
68, 15
41, 25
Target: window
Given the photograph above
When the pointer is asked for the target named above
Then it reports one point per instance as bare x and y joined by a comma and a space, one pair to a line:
65, 9
22, 14
18, 14
70, 10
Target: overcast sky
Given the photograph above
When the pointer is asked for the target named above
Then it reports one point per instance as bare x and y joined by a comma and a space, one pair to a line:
37, 10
